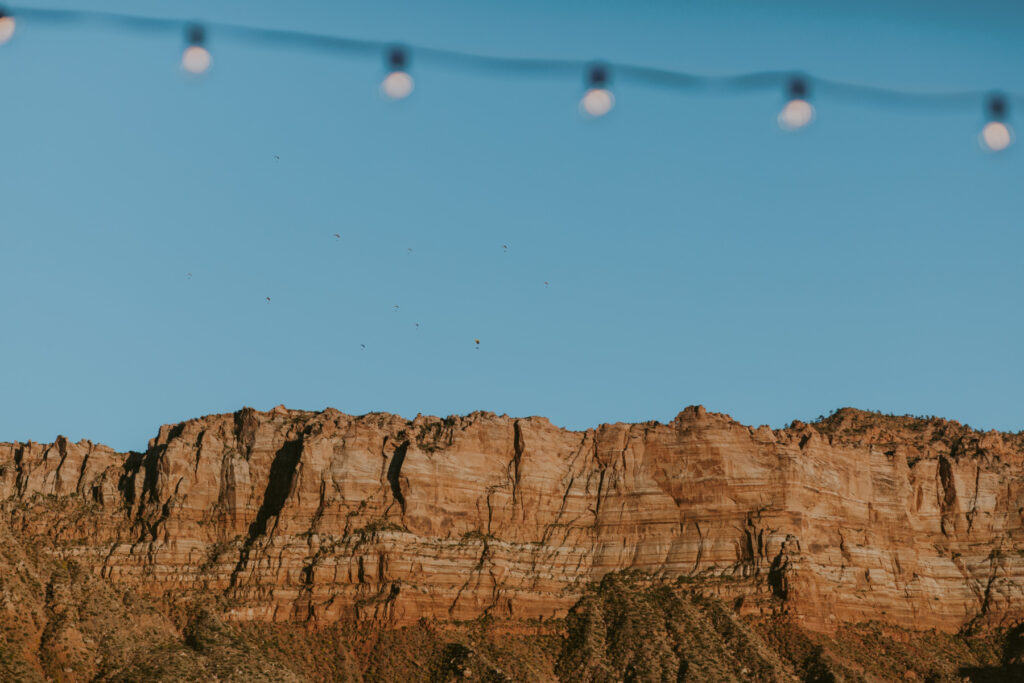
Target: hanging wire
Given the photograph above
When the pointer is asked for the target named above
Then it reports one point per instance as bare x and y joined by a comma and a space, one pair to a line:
513, 66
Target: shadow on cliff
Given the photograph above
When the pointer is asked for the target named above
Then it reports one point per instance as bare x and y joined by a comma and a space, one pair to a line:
395, 471
279, 483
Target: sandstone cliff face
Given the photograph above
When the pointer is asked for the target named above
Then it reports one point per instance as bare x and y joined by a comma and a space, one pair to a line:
292, 515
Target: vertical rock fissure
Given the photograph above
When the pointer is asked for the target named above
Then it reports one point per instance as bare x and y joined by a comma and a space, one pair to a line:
21, 478
947, 496
83, 468
318, 515
973, 512
149, 465
199, 450
490, 510
987, 595
517, 455
279, 483
700, 547
597, 502
477, 570
62, 448
126, 482
395, 471
777, 576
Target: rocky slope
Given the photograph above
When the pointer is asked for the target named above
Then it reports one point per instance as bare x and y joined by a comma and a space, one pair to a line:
291, 516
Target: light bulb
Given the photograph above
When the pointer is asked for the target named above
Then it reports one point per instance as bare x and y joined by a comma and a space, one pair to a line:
398, 84
796, 114
6, 27
196, 59
798, 111
598, 100
996, 135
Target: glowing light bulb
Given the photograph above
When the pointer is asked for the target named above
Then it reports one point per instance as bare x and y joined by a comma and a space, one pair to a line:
598, 100
398, 84
196, 59
996, 135
798, 112
6, 27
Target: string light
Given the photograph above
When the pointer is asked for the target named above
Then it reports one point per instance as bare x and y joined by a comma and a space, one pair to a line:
196, 59
398, 84
798, 112
598, 99
996, 135
6, 27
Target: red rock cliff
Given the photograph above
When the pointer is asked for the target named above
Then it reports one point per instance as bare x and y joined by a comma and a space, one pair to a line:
295, 515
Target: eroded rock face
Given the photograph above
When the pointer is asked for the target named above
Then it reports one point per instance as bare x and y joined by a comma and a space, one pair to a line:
296, 515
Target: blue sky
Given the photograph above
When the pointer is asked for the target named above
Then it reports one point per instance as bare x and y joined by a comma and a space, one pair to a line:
695, 253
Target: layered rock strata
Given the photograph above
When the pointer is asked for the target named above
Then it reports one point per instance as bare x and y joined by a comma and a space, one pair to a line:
293, 515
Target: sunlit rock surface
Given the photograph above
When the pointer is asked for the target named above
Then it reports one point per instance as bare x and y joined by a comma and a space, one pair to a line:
302, 516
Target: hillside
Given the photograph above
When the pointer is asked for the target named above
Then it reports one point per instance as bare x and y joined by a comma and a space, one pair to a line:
321, 546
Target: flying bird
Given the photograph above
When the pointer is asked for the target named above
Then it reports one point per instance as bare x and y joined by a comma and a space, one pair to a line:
417, 326
277, 158
396, 308
505, 247
268, 299
545, 283
409, 250
363, 345
188, 275
337, 236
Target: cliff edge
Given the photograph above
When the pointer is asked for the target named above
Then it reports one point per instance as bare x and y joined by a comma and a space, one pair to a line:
320, 517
